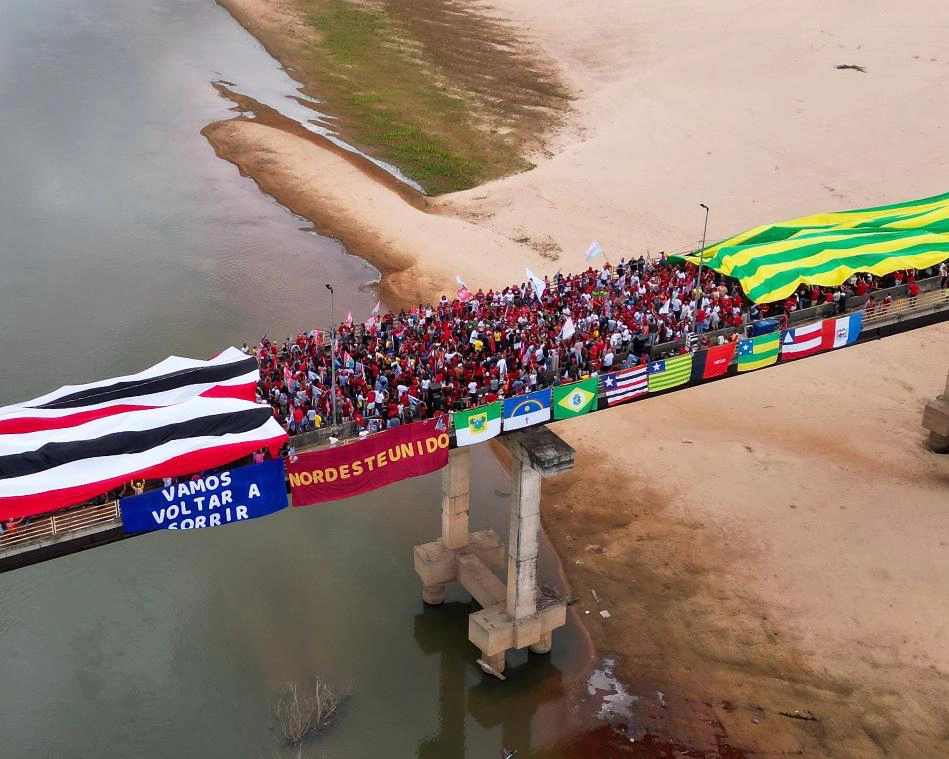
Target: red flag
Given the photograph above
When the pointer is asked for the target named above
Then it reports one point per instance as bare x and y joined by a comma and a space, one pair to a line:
712, 363
717, 360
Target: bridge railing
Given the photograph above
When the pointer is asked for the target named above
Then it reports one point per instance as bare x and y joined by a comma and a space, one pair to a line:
60, 524
904, 308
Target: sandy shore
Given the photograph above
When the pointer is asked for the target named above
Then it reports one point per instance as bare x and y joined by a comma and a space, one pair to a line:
791, 556
781, 545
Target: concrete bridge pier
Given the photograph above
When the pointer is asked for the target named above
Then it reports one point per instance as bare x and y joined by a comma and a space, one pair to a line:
523, 618
441, 561
515, 616
936, 420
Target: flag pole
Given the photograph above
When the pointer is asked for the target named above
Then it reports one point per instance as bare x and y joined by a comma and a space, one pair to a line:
698, 280
332, 349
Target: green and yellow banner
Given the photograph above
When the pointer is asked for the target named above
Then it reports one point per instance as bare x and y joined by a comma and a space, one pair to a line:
828, 248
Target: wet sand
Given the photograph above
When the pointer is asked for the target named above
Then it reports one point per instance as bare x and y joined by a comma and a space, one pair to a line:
772, 548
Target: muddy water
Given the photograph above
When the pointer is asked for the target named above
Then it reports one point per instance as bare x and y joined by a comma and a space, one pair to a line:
123, 239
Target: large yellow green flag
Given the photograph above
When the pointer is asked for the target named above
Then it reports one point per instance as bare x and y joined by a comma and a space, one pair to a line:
827, 248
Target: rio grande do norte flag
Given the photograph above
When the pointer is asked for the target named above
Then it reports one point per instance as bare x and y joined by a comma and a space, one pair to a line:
477, 424
575, 399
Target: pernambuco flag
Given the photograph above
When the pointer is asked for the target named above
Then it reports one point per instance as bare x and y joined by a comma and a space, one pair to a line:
575, 399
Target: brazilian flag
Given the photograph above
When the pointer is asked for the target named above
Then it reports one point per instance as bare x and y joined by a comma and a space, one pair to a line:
575, 399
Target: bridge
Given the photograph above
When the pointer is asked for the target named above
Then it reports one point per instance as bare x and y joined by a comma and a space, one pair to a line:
515, 615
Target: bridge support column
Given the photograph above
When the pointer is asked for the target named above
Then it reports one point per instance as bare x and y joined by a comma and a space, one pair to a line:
523, 619
936, 420
436, 563
512, 616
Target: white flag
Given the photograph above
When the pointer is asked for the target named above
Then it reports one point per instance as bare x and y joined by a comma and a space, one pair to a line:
568, 330
375, 309
538, 284
593, 251
461, 284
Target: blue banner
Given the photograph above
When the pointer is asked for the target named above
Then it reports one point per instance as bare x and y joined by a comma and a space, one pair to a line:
235, 495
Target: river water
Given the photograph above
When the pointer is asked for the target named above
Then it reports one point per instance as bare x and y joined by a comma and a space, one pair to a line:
123, 239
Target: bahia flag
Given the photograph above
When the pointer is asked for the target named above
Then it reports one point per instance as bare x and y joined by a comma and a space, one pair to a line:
712, 363
758, 352
477, 424
575, 399
670, 372
843, 331
802, 341
527, 410
625, 385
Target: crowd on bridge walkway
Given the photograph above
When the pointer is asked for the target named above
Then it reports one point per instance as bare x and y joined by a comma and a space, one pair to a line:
482, 346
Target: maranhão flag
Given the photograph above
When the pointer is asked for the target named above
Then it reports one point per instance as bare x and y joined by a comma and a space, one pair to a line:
842, 331
408, 450
625, 385
713, 362
802, 341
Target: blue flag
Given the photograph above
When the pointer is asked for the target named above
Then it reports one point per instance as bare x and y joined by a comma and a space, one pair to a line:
235, 495
526, 410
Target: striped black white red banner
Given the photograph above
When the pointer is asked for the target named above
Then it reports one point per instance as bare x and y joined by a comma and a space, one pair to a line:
177, 418
230, 374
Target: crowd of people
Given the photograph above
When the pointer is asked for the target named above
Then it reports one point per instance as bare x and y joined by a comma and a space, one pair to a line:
483, 346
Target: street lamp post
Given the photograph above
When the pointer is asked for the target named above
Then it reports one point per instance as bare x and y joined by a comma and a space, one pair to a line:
698, 282
332, 349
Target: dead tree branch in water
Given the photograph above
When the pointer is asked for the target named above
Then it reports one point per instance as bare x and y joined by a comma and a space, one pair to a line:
302, 711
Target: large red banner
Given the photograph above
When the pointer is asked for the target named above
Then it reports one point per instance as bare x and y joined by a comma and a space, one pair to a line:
406, 451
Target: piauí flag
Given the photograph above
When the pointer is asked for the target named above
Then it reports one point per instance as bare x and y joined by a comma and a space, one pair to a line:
842, 331
478, 424
527, 410
712, 363
575, 399
758, 352
669, 372
802, 341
